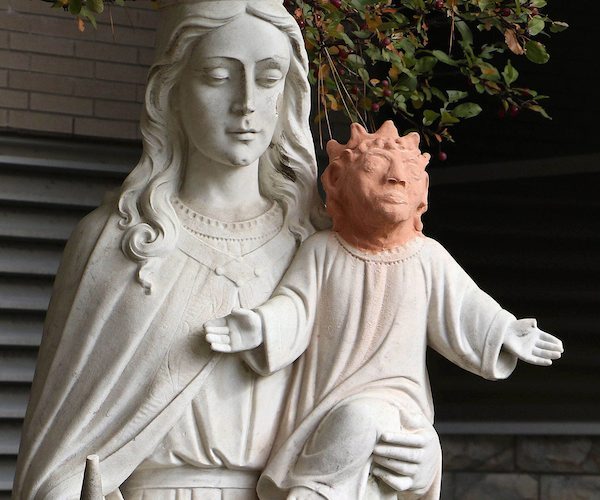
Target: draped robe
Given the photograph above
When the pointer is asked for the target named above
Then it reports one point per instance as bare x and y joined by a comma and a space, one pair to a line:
360, 324
117, 368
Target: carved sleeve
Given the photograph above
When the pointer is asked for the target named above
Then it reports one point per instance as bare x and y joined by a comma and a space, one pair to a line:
465, 324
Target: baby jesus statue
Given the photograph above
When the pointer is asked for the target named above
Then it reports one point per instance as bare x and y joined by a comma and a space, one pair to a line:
356, 311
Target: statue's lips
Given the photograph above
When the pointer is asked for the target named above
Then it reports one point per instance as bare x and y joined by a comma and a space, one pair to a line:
394, 198
244, 134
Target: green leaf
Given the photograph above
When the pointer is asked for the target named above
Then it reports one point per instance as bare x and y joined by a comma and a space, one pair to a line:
86, 13
467, 110
456, 95
448, 118
120, 3
439, 94
425, 64
364, 75
536, 52
96, 6
75, 7
539, 109
538, 3
465, 32
510, 74
429, 117
362, 34
558, 26
535, 25
356, 60
348, 40
445, 58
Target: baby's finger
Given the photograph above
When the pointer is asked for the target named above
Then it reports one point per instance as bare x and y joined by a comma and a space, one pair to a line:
540, 361
216, 329
546, 354
549, 346
403, 439
220, 347
402, 468
411, 455
215, 322
398, 483
218, 339
552, 339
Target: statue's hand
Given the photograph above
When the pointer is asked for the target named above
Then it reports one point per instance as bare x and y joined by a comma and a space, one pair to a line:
408, 460
240, 331
526, 341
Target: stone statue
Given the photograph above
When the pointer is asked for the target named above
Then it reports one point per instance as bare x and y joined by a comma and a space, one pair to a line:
357, 308
208, 221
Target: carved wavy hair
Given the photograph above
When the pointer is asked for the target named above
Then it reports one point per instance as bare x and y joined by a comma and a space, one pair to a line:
287, 170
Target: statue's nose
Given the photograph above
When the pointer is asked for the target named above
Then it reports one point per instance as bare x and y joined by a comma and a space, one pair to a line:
394, 175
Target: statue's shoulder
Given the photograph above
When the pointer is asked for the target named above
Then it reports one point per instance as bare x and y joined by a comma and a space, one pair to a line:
99, 227
320, 240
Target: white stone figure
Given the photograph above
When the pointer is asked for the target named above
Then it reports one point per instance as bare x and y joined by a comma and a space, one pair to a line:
208, 221
357, 308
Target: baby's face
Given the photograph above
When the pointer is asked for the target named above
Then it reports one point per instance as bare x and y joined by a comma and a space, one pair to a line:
386, 187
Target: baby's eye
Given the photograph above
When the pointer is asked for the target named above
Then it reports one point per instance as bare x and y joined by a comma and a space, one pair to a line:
269, 78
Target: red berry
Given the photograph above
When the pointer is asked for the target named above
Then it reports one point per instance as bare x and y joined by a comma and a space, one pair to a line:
343, 54
534, 11
505, 12
442, 156
375, 107
386, 41
354, 90
387, 92
301, 23
501, 113
439, 4
341, 71
336, 3
514, 111
385, 84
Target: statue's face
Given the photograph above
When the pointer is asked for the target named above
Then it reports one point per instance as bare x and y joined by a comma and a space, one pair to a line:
229, 91
384, 188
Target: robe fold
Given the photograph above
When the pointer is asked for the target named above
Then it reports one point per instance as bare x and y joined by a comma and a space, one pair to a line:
118, 368
358, 325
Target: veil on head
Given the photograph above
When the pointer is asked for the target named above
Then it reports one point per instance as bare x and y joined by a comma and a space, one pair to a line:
287, 169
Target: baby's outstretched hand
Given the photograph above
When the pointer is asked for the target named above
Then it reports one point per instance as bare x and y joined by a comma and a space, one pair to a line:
526, 341
239, 331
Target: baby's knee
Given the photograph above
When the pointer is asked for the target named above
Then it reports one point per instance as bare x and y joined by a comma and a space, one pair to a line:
365, 417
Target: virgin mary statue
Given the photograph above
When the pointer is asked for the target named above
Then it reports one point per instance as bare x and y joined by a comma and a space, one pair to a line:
207, 221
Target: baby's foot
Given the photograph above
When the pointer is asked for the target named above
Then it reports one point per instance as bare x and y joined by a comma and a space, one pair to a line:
302, 493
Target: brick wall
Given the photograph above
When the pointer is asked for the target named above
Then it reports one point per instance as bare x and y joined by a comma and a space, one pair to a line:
56, 79
521, 467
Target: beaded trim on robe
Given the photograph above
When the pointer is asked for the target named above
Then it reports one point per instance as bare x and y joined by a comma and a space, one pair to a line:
262, 227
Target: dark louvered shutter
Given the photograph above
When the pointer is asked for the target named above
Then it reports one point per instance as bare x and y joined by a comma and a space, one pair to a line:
46, 187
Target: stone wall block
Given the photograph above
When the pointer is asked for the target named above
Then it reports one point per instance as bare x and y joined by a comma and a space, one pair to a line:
559, 454
13, 99
479, 453
474, 486
43, 122
570, 487
62, 66
99, 89
105, 128
41, 82
121, 72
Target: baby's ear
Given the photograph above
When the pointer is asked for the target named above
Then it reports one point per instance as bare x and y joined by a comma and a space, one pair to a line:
330, 178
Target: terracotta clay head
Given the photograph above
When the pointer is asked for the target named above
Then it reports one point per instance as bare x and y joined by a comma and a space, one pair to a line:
376, 187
